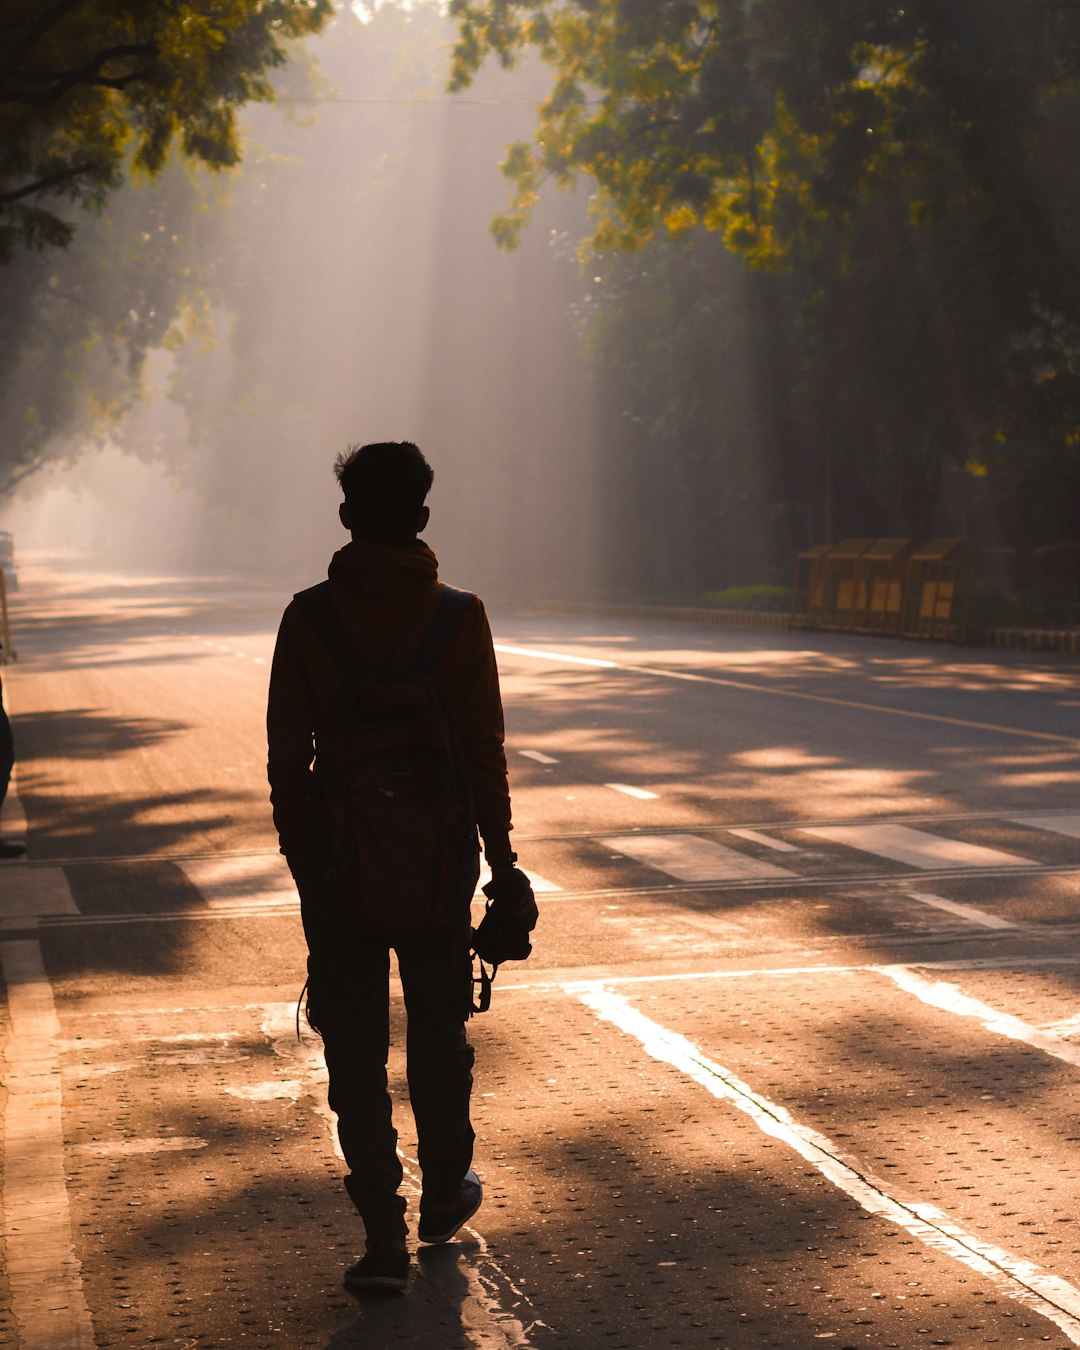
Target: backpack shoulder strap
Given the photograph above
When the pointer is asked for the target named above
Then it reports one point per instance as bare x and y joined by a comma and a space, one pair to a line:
318, 607
451, 609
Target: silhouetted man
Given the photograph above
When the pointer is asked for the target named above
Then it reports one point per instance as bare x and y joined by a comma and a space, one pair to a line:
375, 656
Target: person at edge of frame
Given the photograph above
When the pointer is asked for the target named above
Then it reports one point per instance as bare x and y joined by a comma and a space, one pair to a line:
382, 583
9, 848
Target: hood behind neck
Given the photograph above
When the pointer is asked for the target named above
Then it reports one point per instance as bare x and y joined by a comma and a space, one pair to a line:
389, 570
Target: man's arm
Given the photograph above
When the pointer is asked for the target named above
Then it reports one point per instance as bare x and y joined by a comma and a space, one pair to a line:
290, 726
482, 736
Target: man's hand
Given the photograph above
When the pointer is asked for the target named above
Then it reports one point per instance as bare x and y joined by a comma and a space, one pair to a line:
511, 915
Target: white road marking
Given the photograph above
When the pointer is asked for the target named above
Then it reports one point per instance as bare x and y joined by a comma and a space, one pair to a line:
691, 858
1068, 1026
231, 883
781, 845
941, 994
1022, 1280
47, 1297
847, 704
539, 756
979, 916
642, 794
557, 656
540, 885
120, 1148
278, 1089
916, 848
36, 891
1056, 824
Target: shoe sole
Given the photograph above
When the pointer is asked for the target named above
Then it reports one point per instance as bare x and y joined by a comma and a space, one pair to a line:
372, 1282
434, 1239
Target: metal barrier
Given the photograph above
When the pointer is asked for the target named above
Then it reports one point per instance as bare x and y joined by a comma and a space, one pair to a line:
885, 586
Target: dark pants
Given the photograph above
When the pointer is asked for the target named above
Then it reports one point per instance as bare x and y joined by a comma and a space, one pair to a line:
348, 1003
7, 749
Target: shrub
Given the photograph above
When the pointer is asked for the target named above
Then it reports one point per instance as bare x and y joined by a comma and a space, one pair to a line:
774, 598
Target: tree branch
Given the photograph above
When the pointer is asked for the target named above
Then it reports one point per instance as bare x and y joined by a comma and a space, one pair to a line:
86, 74
13, 477
39, 29
49, 181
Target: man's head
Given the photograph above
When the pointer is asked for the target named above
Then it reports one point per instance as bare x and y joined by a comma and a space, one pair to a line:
384, 485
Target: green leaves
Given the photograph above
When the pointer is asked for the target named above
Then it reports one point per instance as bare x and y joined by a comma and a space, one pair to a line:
85, 87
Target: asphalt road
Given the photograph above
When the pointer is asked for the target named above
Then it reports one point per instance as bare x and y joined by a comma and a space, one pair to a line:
794, 1061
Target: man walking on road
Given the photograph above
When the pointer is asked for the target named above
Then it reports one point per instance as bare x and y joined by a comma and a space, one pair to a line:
385, 733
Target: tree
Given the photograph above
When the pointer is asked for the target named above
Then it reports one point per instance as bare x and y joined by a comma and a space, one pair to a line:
763, 120
89, 86
911, 166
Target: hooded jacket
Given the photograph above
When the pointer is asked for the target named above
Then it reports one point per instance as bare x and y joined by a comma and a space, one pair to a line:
384, 594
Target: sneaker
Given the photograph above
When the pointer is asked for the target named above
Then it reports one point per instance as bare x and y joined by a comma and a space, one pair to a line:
439, 1223
9, 850
379, 1268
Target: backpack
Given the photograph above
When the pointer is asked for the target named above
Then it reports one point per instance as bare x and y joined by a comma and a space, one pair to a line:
392, 802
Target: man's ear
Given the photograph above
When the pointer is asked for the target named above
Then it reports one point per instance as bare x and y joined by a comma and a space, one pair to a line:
422, 519
344, 517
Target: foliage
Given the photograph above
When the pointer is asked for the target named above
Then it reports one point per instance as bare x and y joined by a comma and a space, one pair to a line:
907, 173
79, 323
768, 121
759, 598
87, 87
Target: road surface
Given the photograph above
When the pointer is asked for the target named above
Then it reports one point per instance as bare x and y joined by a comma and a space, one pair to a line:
795, 1061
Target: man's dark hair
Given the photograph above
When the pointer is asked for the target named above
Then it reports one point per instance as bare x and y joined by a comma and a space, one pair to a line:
384, 485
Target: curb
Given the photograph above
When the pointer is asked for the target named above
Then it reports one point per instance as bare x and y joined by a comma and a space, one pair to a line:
729, 618
1066, 640
1062, 640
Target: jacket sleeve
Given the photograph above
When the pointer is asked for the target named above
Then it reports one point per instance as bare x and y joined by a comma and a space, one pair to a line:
290, 731
482, 736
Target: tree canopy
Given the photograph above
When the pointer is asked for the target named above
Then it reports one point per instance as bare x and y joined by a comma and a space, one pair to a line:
907, 167
764, 120
87, 86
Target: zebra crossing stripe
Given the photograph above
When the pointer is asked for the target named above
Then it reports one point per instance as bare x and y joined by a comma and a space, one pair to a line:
688, 857
916, 848
1055, 824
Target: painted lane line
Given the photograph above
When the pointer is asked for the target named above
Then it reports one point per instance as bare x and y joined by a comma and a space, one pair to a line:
979, 916
916, 848
692, 677
642, 794
489, 1324
558, 656
1055, 824
36, 892
45, 1277
230, 883
539, 756
1022, 1280
949, 998
539, 884
781, 845
691, 858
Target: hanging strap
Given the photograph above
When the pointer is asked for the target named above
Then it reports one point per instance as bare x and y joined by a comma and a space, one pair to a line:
317, 603
485, 981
